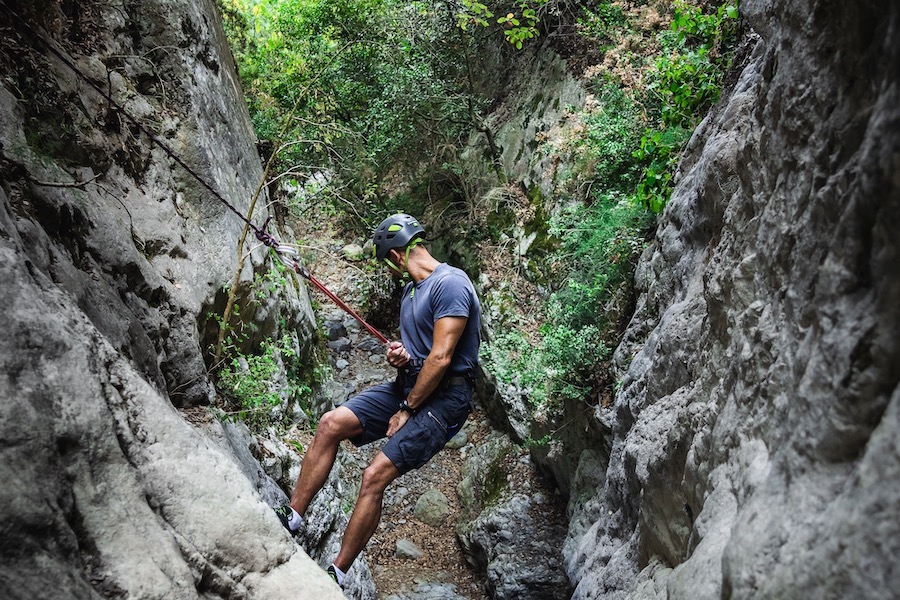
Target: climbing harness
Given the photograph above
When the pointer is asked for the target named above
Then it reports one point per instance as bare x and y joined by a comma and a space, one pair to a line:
288, 255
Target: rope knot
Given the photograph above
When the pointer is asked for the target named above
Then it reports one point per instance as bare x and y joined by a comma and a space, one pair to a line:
264, 236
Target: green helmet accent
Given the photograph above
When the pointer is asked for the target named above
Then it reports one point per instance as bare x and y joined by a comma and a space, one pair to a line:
397, 231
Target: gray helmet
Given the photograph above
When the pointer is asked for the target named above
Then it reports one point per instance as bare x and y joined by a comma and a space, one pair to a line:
395, 232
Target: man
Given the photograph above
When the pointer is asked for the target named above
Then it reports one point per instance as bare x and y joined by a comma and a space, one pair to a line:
440, 319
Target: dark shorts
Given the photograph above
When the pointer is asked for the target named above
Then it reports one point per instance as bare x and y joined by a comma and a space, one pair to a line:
424, 434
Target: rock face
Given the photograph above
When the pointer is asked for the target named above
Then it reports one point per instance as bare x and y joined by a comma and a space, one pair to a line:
111, 256
503, 530
755, 437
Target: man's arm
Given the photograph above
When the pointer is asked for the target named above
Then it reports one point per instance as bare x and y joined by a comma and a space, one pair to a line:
447, 331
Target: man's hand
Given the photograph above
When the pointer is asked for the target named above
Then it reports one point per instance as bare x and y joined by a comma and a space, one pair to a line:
397, 422
397, 356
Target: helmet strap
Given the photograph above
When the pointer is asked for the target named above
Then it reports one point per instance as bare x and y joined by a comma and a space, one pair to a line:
405, 263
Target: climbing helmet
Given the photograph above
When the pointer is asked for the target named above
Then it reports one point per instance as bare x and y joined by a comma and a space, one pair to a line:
395, 232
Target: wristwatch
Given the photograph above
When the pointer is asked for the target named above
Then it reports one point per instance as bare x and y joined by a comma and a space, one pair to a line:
405, 407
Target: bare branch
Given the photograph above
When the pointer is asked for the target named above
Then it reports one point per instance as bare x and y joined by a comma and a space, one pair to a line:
62, 184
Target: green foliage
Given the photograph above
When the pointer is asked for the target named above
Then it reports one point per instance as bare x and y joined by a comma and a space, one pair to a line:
541, 442
625, 156
600, 246
473, 13
248, 382
388, 91
316, 61
270, 282
253, 385
561, 366
697, 28
600, 243
660, 151
686, 81
602, 23
518, 24
574, 357
611, 138
360, 88
513, 359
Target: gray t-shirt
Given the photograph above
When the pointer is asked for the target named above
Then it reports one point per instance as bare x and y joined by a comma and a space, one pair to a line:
447, 292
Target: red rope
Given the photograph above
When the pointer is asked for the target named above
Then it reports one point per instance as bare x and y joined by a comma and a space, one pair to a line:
346, 308
288, 256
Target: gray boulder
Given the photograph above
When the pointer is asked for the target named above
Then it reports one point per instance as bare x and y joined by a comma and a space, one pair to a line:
432, 508
519, 563
102, 472
501, 530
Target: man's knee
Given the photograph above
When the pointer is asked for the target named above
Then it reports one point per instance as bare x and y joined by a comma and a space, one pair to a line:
339, 424
378, 475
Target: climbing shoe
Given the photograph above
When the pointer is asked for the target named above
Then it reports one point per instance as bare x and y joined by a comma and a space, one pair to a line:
331, 573
285, 512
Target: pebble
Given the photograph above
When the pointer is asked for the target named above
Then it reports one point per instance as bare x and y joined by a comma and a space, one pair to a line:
335, 329
370, 345
353, 252
340, 345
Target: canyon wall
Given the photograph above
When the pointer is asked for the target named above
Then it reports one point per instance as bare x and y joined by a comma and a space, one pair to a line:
755, 439
112, 256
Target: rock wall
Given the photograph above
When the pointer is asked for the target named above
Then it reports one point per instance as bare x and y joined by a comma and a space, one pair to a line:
756, 437
111, 257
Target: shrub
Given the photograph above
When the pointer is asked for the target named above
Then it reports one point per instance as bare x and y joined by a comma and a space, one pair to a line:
685, 82
611, 136
254, 385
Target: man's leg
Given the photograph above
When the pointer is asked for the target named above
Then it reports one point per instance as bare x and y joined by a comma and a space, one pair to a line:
367, 513
334, 427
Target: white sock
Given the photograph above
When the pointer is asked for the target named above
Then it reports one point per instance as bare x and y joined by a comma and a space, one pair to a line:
296, 521
340, 574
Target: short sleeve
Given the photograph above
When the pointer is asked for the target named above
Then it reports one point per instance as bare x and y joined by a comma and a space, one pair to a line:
452, 297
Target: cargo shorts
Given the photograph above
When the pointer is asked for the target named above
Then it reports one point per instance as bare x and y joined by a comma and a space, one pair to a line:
425, 433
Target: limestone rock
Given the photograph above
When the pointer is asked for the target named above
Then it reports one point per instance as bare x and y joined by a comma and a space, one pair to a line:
506, 541
408, 550
749, 449
107, 289
102, 463
482, 476
432, 508
457, 441
429, 591
500, 532
353, 252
